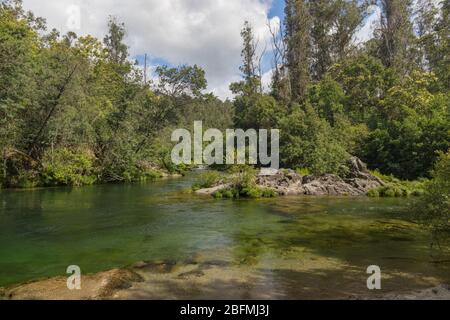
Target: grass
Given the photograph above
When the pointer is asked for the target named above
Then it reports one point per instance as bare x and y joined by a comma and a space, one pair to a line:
396, 188
303, 172
207, 180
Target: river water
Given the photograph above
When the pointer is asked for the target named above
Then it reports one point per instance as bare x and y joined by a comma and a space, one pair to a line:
293, 243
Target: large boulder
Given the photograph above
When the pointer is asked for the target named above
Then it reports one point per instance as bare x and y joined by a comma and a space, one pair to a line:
329, 185
359, 176
356, 182
284, 182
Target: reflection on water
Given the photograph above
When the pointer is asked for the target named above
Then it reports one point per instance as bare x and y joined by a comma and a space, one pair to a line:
274, 244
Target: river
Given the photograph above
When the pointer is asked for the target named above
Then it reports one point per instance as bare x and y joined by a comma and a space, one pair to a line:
294, 247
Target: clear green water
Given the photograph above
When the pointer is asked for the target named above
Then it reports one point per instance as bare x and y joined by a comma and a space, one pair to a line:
103, 227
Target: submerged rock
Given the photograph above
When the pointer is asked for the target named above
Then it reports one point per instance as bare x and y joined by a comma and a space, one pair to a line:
93, 287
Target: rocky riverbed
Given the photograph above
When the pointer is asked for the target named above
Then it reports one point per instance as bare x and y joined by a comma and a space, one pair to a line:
217, 279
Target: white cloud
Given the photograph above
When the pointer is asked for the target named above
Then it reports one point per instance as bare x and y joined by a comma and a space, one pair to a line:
367, 31
266, 79
202, 32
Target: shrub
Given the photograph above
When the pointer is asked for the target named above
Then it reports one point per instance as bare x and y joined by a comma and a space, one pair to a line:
396, 187
25, 179
303, 171
252, 193
388, 192
433, 208
230, 194
207, 180
268, 193
374, 193
65, 167
218, 195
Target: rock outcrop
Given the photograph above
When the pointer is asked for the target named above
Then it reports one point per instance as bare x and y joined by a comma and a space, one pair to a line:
357, 182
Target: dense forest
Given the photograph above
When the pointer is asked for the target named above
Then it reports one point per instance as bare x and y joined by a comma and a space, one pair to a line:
77, 110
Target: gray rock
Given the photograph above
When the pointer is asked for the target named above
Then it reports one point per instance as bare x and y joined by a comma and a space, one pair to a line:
357, 182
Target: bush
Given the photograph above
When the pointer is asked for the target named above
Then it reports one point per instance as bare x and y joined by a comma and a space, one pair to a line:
252, 193
397, 188
374, 193
433, 208
243, 176
388, 192
230, 194
65, 167
303, 172
25, 179
207, 180
150, 175
307, 141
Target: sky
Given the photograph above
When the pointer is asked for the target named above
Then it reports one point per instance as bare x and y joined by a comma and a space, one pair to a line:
176, 32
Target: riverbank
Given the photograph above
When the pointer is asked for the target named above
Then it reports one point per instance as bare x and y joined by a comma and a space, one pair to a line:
155, 176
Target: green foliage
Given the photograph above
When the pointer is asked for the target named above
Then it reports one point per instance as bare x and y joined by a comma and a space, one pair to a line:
328, 98
364, 80
395, 37
386, 102
397, 188
208, 180
248, 192
243, 176
64, 167
257, 112
184, 80
243, 184
374, 193
413, 124
308, 141
388, 192
433, 208
303, 171
64, 92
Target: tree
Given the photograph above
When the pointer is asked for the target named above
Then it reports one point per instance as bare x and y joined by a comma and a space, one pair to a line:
365, 82
319, 34
182, 81
412, 125
433, 24
328, 98
116, 48
334, 24
299, 50
433, 208
396, 36
307, 141
249, 66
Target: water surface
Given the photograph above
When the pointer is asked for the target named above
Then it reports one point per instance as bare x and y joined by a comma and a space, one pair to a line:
289, 241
